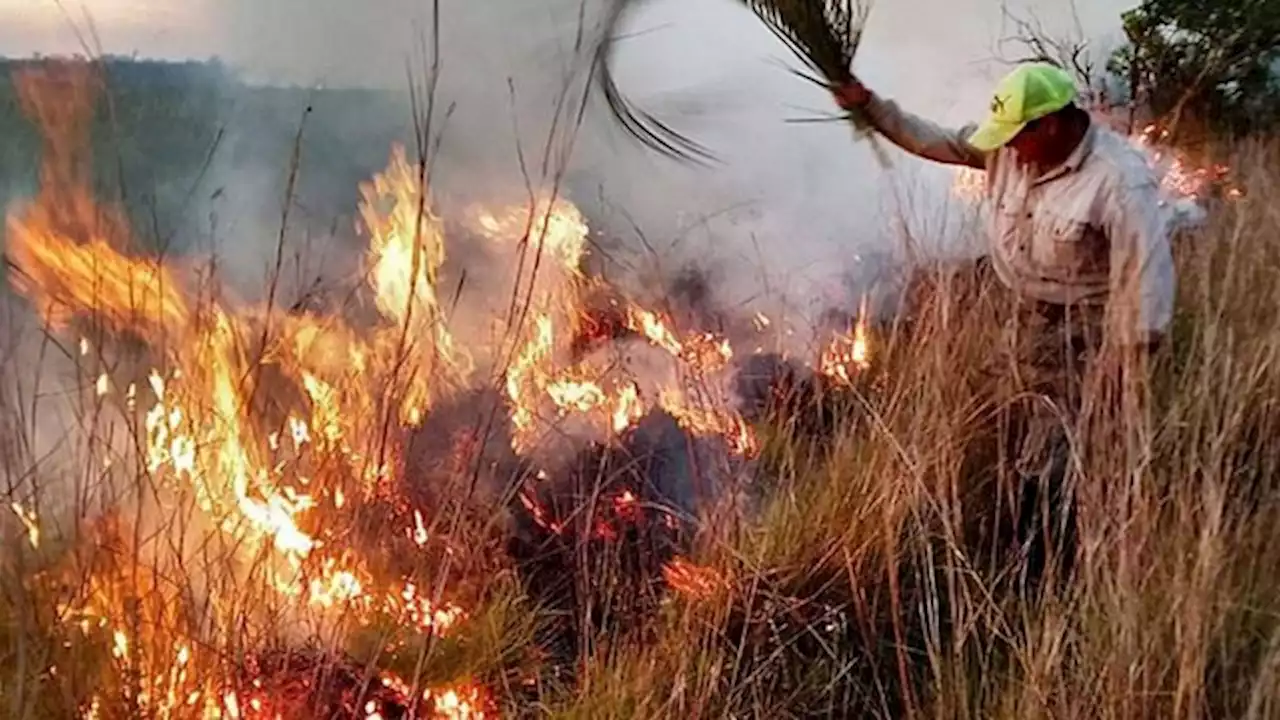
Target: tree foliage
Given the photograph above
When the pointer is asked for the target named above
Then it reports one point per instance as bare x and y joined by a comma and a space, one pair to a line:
1213, 63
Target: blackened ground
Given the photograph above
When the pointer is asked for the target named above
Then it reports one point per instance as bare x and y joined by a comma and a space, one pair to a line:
774, 389
298, 684
462, 451
607, 522
603, 321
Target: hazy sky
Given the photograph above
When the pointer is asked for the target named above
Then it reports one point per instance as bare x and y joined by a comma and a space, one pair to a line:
163, 28
346, 40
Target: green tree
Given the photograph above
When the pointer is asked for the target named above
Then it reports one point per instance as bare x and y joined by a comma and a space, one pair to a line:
1209, 64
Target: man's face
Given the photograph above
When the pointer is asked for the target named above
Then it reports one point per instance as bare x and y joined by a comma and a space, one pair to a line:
1039, 141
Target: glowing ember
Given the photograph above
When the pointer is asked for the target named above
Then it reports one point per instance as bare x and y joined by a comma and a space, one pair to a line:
539, 513
693, 581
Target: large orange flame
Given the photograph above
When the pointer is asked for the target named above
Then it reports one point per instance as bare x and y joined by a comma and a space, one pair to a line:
281, 426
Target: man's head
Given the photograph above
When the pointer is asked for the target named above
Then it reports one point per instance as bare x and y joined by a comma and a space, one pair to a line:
1033, 111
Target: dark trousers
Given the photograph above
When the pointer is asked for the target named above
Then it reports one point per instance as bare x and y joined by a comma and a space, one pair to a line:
1049, 350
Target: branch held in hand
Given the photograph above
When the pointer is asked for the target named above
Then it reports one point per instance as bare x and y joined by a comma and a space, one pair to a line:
823, 34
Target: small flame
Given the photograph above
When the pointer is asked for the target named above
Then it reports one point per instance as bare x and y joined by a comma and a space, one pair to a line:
120, 645
848, 354
627, 407
580, 395
30, 522
419, 529
693, 581
707, 419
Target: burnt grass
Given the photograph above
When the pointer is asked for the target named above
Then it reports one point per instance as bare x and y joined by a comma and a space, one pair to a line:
592, 557
594, 561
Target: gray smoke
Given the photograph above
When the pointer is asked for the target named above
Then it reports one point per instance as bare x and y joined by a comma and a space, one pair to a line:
796, 212
798, 217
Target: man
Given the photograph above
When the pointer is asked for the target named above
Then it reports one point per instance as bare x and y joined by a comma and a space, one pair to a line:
1075, 210
1077, 234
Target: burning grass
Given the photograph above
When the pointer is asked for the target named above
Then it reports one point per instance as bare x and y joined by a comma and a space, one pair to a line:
601, 510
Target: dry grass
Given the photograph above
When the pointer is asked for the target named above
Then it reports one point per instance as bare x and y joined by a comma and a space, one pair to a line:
874, 582
873, 578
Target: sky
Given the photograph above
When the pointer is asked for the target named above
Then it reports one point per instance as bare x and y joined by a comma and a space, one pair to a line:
160, 28
341, 41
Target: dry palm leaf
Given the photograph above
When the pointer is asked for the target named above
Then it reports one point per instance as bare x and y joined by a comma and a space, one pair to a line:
823, 34
644, 127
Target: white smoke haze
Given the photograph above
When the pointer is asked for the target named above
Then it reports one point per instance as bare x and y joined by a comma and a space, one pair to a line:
796, 214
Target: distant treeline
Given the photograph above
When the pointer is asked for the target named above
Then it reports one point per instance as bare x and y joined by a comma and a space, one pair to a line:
126, 70
181, 140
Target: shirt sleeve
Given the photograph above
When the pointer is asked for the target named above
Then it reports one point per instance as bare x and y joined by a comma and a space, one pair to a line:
1142, 272
924, 138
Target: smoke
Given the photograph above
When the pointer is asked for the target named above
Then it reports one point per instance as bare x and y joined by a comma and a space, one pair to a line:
797, 218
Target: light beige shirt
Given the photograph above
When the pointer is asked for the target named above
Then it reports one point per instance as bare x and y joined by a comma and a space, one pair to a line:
1090, 232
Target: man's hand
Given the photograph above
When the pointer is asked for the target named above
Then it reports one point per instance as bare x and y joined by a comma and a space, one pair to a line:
853, 95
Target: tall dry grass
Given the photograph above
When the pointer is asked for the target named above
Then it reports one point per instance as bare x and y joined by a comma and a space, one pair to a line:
875, 577
878, 579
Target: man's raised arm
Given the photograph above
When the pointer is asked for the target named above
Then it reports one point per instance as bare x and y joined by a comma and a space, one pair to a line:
914, 134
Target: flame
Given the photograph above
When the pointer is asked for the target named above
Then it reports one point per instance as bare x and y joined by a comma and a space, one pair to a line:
463, 702
30, 521
1179, 177
525, 378
284, 428
573, 394
707, 417
705, 352
694, 581
848, 354
555, 227
406, 252
627, 407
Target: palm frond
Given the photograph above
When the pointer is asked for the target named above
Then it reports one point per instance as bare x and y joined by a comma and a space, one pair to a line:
823, 34
650, 131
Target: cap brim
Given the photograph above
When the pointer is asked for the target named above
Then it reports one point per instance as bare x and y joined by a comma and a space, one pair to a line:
991, 136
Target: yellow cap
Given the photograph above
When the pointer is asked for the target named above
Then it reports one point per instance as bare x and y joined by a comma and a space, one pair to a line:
1030, 92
